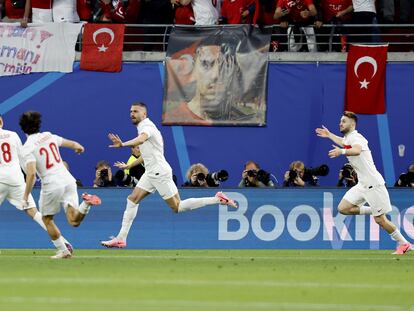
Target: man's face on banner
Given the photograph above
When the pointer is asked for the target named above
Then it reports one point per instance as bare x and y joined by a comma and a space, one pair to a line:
211, 80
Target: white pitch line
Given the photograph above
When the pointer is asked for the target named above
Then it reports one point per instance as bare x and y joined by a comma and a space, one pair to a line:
244, 283
216, 305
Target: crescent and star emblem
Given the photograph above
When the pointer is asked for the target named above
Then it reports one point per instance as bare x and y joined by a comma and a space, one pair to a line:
109, 31
360, 61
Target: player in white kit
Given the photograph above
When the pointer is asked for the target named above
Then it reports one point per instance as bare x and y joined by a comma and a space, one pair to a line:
41, 154
371, 185
157, 176
12, 184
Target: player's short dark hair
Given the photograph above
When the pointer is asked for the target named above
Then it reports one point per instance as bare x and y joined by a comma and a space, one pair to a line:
140, 104
30, 122
351, 115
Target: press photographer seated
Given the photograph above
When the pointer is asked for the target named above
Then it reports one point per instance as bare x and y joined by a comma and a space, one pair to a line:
347, 176
103, 175
406, 179
300, 176
253, 176
199, 176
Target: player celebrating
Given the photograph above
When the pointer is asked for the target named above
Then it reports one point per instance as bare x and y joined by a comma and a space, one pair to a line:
371, 185
41, 154
12, 183
157, 176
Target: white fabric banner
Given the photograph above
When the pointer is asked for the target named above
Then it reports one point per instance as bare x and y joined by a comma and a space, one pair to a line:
37, 48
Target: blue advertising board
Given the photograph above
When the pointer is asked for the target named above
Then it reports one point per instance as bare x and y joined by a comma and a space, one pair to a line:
265, 219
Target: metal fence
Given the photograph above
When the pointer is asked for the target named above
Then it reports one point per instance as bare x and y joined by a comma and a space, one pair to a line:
328, 38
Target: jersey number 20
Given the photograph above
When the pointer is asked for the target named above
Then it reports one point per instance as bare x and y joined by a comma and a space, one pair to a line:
55, 152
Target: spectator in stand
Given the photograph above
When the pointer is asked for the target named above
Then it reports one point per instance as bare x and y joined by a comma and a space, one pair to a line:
387, 9
120, 11
205, 11
364, 13
155, 12
13, 10
183, 14
84, 8
301, 13
239, 12
48, 11
265, 17
335, 13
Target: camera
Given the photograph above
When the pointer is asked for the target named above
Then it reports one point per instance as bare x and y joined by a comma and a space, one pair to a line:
406, 179
125, 180
292, 174
252, 173
347, 171
103, 173
214, 179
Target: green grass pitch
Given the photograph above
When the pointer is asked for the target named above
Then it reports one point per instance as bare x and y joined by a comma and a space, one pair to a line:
198, 280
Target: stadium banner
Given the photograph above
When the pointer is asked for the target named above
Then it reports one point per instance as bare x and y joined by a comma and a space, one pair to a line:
38, 48
265, 219
203, 68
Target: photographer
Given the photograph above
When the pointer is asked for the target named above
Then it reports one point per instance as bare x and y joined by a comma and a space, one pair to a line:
299, 176
253, 176
406, 179
130, 172
199, 176
347, 176
103, 175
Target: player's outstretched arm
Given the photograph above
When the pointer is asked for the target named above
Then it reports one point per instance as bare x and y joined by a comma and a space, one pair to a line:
74, 145
325, 133
117, 142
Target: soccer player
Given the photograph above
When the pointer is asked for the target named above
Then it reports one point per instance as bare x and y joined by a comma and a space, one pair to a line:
41, 154
157, 176
371, 185
12, 184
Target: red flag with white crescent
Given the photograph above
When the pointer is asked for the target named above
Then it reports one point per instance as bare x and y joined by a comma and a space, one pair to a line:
365, 79
102, 47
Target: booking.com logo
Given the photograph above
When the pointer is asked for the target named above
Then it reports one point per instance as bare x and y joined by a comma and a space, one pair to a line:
325, 218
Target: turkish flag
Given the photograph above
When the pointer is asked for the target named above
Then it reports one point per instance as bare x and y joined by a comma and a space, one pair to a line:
102, 47
365, 79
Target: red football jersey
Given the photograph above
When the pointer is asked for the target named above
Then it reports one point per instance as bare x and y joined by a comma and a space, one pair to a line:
232, 10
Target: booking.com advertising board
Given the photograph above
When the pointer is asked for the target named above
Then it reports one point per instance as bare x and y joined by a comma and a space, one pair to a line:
265, 219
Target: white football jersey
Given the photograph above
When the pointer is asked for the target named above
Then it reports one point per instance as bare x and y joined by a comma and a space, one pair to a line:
152, 150
43, 148
363, 164
10, 154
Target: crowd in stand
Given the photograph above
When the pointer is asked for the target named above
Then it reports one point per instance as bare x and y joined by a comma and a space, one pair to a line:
208, 12
301, 21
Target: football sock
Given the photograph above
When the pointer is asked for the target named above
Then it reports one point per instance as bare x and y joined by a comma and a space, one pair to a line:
127, 220
397, 236
365, 210
38, 218
194, 203
84, 208
60, 244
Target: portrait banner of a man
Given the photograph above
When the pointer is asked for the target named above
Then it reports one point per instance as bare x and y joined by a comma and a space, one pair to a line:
216, 76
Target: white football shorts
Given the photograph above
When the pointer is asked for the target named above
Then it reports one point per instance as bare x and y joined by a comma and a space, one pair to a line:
376, 196
14, 194
52, 200
164, 184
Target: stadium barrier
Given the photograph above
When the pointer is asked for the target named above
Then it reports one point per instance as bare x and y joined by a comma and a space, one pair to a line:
266, 219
